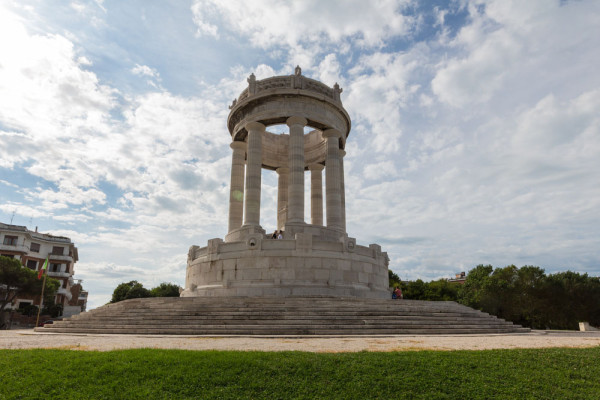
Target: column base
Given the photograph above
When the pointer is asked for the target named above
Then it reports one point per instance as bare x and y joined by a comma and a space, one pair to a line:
242, 233
320, 232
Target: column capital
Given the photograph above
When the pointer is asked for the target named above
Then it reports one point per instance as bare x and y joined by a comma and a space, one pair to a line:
282, 170
255, 126
238, 145
296, 120
316, 167
332, 133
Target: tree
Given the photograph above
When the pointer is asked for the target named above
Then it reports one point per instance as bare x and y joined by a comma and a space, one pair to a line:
475, 285
569, 298
393, 278
165, 290
528, 297
129, 290
17, 281
413, 290
440, 290
135, 290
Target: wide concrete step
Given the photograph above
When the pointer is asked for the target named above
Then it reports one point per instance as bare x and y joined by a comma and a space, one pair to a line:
277, 315
291, 331
290, 316
283, 318
283, 323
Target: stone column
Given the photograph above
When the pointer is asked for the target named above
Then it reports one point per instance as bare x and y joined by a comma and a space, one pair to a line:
282, 196
236, 190
253, 173
332, 179
296, 164
316, 194
343, 189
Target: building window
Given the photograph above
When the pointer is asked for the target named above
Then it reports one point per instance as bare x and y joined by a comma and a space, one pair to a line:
11, 240
32, 264
65, 284
54, 267
24, 303
8, 255
57, 250
35, 247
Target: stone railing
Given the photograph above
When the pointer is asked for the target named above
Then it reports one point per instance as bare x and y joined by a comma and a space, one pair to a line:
266, 245
296, 81
273, 83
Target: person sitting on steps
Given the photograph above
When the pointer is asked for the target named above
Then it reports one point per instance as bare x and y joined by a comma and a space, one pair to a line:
397, 293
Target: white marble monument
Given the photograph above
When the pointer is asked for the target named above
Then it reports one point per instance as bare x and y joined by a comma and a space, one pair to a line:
312, 259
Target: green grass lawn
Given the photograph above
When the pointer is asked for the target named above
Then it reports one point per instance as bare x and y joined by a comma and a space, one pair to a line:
177, 374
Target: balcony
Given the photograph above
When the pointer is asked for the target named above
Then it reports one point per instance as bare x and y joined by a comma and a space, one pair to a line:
65, 292
58, 257
17, 248
59, 274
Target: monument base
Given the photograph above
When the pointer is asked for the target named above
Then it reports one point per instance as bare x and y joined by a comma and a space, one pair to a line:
303, 266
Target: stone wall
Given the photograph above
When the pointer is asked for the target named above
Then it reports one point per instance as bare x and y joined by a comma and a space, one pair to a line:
288, 267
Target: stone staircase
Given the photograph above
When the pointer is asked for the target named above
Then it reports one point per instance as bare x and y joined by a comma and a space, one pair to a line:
282, 316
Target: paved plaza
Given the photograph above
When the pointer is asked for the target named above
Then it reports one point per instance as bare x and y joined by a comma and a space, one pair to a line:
27, 339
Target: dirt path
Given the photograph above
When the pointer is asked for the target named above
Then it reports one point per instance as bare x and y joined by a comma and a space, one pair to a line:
27, 339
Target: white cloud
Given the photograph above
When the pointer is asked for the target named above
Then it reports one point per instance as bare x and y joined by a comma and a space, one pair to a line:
45, 91
305, 29
525, 47
268, 22
329, 70
378, 91
145, 70
201, 12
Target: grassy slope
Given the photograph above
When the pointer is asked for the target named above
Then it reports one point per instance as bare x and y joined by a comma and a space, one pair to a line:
163, 374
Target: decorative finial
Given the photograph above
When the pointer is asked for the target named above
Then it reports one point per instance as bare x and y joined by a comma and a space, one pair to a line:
336, 91
298, 70
251, 84
233, 104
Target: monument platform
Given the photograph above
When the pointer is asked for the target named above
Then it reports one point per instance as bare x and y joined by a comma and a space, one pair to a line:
301, 266
282, 316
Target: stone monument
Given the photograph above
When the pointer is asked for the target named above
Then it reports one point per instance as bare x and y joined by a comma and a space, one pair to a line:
315, 258
315, 280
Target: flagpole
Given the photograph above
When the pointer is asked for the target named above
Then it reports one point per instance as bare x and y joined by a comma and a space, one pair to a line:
41, 300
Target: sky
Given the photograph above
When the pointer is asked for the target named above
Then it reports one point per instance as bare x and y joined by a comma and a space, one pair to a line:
475, 126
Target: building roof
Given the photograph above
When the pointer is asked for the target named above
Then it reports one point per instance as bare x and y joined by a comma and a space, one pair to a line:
35, 235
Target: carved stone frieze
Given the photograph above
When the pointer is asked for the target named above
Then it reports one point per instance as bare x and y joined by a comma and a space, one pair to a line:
275, 108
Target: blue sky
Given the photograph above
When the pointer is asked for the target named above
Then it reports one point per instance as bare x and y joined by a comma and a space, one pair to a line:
475, 126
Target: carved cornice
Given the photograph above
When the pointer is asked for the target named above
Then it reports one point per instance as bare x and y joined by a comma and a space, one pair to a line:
296, 81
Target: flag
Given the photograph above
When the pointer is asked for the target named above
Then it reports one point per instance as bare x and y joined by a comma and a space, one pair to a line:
43, 269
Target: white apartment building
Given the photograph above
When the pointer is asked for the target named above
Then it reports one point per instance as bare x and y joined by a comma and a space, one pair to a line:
32, 248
